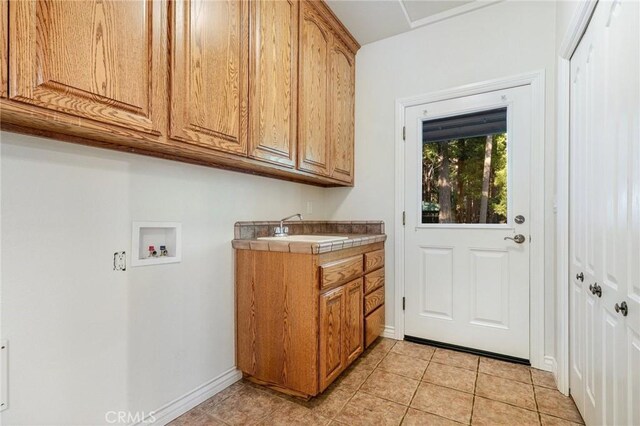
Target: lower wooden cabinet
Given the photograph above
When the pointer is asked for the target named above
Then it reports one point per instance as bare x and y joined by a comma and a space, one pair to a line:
374, 323
354, 320
294, 333
332, 335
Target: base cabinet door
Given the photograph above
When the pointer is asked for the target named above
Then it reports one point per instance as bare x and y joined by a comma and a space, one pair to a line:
98, 60
332, 335
354, 321
209, 73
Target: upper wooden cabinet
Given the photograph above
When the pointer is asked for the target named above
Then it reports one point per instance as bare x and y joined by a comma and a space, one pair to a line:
4, 47
262, 86
341, 100
326, 107
313, 114
273, 86
209, 73
99, 60
353, 321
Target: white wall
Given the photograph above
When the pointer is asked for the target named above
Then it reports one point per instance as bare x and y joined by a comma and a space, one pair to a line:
564, 13
502, 40
85, 339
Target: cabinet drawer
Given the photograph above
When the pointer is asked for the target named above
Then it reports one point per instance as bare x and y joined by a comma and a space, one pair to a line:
341, 271
373, 300
373, 325
373, 260
373, 280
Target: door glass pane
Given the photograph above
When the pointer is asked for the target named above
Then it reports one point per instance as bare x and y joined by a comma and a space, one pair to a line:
464, 168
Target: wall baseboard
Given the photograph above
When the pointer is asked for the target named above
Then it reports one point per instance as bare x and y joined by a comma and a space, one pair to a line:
186, 402
551, 365
389, 332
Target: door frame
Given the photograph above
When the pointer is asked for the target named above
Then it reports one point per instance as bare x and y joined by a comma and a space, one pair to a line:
536, 80
577, 27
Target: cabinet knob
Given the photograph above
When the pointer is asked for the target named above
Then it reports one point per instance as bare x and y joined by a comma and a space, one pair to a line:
580, 276
596, 290
622, 309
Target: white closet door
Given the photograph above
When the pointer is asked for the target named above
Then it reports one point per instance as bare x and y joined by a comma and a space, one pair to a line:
605, 216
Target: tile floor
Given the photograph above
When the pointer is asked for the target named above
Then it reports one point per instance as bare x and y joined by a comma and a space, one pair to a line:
396, 382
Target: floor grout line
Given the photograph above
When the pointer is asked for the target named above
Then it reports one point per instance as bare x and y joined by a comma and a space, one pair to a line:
365, 374
475, 386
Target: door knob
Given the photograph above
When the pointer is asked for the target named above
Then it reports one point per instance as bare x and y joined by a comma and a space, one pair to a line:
622, 308
580, 276
595, 289
517, 238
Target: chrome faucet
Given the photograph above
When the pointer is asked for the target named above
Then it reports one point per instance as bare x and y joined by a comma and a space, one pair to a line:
283, 231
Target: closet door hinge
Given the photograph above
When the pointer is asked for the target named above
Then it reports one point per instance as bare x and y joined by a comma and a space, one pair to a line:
403, 303
404, 133
404, 218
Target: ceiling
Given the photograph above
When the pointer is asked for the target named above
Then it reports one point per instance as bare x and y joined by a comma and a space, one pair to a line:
371, 20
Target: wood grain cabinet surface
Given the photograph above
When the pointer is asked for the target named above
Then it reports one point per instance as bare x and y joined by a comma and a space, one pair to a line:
332, 335
98, 60
260, 86
315, 48
209, 73
4, 48
326, 108
292, 334
341, 109
274, 83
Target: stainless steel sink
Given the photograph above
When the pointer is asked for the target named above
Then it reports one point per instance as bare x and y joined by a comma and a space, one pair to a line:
306, 238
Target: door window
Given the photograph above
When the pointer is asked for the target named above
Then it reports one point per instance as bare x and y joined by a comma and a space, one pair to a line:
464, 169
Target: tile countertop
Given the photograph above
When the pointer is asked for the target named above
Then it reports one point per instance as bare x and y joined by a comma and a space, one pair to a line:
358, 232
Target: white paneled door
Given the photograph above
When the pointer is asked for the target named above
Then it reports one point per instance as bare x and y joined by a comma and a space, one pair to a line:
605, 217
467, 201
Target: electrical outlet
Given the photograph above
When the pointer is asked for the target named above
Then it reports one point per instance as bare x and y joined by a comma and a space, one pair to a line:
119, 261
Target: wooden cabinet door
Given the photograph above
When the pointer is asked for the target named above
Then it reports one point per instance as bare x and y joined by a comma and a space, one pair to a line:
4, 47
354, 319
313, 114
273, 82
102, 60
209, 73
332, 327
341, 108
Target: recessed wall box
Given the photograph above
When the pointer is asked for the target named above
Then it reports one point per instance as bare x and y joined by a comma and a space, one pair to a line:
157, 234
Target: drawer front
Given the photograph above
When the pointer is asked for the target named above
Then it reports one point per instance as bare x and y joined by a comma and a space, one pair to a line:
373, 280
373, 325
341, 271
374, 260
373, 300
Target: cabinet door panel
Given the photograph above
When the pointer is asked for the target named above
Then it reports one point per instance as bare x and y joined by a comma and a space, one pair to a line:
354, 321
315, 40
101, 60
332, 313
274, 81
342, 110
209, 74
